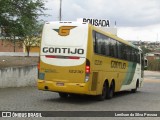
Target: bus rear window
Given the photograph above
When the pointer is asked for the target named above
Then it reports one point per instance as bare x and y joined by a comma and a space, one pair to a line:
74, 37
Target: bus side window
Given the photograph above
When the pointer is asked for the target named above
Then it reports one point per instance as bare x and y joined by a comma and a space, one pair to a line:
103, 46
107, 46
124, 52
119, 50
95, 45
99, 43
115, 48
128, 51
132, 54
136, 56
112, 48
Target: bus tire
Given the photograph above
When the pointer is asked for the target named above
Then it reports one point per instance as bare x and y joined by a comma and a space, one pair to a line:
104, 92
110, 91
63, 95
135, 90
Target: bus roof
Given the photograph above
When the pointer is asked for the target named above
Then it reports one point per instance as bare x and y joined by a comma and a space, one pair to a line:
97, 29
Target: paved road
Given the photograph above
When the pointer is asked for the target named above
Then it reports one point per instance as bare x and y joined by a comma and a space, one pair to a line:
151, 75
29, 99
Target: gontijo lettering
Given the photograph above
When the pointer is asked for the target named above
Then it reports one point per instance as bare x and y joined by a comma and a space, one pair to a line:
63, 50
117, 64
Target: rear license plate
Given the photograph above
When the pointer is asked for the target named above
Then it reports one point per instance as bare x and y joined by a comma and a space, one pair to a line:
60, 84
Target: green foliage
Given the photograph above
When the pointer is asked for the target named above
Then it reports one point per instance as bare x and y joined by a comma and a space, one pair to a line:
145, 50
154, 65
19, 18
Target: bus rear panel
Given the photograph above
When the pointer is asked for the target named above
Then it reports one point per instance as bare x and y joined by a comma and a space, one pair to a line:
64, 66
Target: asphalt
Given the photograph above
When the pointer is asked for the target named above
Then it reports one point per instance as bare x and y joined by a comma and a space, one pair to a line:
30, 99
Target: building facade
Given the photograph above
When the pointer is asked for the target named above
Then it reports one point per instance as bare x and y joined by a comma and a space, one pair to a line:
8, 46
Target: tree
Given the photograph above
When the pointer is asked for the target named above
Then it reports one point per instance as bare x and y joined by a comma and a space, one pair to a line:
18, 17
33, 37
145, 50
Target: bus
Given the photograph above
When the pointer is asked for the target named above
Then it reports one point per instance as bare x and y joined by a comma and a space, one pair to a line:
79, 58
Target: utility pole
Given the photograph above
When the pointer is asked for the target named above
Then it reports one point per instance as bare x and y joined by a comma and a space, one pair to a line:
157, 37
60, 11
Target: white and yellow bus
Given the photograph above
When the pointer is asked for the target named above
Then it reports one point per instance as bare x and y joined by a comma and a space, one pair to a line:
79, 58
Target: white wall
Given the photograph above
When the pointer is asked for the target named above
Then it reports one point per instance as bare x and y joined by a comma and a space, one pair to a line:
17, 54
18, 76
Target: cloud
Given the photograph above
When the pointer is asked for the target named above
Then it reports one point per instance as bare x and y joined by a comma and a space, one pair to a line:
130, 12
146, 33
136, 19
125, 12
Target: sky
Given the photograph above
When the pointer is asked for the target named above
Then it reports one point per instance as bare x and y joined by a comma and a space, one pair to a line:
136, 19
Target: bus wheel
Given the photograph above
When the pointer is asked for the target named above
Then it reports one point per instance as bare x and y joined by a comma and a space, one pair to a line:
103, 95
135, 90
63, 95
110, 91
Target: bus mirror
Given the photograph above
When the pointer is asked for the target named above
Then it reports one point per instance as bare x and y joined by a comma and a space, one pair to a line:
145, 64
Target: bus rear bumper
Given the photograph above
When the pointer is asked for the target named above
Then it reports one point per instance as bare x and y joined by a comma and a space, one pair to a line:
77, 88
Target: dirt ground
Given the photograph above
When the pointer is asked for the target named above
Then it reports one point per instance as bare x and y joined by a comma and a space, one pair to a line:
11, 61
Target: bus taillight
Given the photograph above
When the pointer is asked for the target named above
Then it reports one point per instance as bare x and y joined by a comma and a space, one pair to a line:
88, 70
87, 66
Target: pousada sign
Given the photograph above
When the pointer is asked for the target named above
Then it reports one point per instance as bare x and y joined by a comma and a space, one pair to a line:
96, 22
